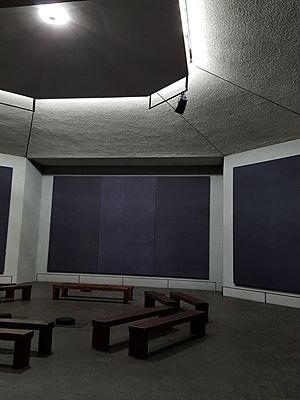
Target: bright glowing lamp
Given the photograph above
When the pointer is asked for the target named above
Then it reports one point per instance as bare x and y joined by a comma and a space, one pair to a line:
53, 14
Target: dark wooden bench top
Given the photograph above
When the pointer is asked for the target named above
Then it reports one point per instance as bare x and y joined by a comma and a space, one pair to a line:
15, 286
101, 326
25, 323
65, 286
123, 318
12, 334
91, 286
139, 331
195, 301
45, 331
151, 324
152, 296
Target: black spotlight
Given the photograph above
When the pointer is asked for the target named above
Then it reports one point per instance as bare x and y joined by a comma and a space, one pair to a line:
181, 104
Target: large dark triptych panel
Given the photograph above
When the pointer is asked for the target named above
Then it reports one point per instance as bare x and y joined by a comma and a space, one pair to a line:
127, 225
267, 225
74, 231
5, 193
131, 226
182, 227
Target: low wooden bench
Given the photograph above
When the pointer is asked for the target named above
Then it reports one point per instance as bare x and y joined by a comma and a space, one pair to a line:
22, 339
139, 332
45, 331
151, 297
10, 290
101, 326
199, 304
63, 288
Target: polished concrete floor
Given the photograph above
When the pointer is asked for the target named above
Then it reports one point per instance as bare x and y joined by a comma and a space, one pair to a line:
251, 351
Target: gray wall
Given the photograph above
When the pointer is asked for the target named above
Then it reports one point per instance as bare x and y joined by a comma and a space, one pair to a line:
30, 224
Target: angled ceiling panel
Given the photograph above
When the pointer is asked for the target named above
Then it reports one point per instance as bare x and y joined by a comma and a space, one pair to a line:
233, 119
112, 128
110, 48
14, 130
255, 44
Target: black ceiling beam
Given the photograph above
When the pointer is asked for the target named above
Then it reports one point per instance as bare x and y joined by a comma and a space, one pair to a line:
23, 3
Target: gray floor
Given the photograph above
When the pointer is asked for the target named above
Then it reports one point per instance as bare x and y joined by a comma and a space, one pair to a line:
251, 351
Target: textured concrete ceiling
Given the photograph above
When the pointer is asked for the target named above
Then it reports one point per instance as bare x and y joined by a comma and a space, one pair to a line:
243, 94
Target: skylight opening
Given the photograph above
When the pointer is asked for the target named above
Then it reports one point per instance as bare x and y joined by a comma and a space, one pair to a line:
53, 14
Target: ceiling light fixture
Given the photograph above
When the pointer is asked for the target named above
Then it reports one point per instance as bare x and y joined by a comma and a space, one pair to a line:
54, 14
181, 104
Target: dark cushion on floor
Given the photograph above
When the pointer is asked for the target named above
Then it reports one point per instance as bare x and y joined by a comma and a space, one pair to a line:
5, 315
65, 321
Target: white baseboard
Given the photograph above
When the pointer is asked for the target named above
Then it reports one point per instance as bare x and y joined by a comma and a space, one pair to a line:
53, 277
263, 296
103, 279
139, 281
6, 279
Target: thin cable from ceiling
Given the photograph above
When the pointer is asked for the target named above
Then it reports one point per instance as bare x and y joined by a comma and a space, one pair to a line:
31, 126
192, 126
13, 106
249, 91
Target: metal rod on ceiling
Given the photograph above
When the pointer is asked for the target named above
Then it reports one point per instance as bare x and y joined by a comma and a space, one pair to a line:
24, 3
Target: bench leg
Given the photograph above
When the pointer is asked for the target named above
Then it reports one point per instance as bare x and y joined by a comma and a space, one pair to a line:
138, 343
202, 307
22, 353
126, 296
9, 294
55, 293
197, 327
130, 293
26, 294
100, 338
64, 292
45, 342
149, 302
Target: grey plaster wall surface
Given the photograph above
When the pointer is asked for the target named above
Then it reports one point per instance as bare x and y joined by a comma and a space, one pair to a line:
253, 43
30, 224
112, 128
14, 130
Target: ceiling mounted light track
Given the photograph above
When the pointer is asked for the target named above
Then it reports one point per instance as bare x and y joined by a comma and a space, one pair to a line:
24, 3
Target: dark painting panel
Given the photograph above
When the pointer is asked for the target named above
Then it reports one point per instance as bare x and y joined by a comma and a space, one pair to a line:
267, 225
5, 193
127, 225
182, 227
74, 231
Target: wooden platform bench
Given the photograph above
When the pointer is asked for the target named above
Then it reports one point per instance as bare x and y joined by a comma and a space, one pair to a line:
101, 326
45, 331
151, 297
22, 339
139, 332
10, 290
187, 298
63, 288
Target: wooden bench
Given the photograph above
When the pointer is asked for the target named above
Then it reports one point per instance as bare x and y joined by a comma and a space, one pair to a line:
101, 326
10, 290
22, 339
45, 331
199, 304
139, 332
63, 288
151, 297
